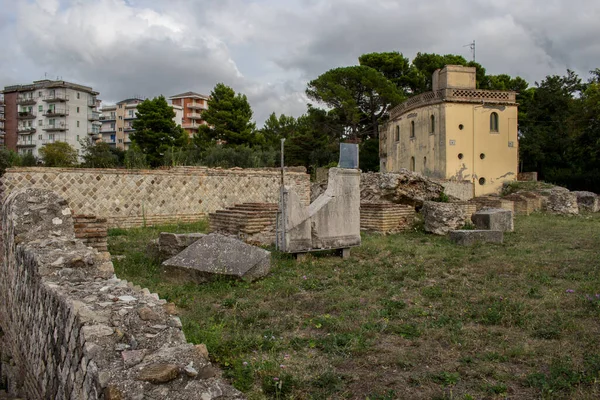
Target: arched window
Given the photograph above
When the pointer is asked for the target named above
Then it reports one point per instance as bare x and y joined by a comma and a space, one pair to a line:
412, 164
432, 124
494, 122
412, 129
397, 133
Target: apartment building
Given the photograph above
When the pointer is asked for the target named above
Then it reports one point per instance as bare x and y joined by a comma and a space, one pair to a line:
117, 122
192, 104
1, 120
48, 111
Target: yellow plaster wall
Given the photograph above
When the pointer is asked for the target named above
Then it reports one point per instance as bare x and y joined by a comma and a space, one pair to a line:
500, 161
424, 147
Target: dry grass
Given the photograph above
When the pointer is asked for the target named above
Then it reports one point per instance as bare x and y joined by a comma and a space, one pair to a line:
409, 316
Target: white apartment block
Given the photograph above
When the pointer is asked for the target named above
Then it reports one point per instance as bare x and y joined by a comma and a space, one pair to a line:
50, 111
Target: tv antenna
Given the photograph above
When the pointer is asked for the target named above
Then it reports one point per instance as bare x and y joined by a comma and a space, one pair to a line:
472, 47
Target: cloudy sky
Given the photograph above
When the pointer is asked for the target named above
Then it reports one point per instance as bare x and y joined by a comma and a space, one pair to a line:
269, 49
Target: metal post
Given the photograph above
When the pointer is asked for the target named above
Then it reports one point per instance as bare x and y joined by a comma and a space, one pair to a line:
280, 228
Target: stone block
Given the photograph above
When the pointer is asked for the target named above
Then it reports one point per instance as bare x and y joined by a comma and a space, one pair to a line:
562, 202
468, 237
587, 201
441, 218
170, 244
216, 255
494, 219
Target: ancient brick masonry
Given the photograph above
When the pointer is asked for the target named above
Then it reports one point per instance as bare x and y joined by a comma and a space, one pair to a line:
92, 231
252, 222
71, 330
386, 217
128, 198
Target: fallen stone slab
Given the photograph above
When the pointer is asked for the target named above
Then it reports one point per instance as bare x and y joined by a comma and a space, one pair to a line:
470, 237
588, 201
217, 255
494, 219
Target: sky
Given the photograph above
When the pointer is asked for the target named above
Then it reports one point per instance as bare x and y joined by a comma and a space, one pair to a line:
270, 49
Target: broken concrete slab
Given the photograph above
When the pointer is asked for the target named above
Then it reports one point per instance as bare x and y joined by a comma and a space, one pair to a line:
470, 237
494, 219
217, 255
587, 201
332, 221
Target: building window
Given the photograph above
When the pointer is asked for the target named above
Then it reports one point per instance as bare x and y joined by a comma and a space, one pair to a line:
412, 164
397, 133
40, 122
40, 108
40, 137
78, 107
51, 121
112, 126
78, 138
424, 164
78, 96
120, 140
412, 130
112, 138
112, 115
432, 124
39, 94
120, 129
130, 113
78, 124
120, 105
494, 122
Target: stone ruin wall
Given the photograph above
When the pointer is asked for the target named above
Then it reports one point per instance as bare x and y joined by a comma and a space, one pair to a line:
129, 198
71, 330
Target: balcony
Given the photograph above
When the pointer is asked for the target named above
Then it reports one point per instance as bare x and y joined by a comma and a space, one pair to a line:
50, 98
129, 129
26, 143
94, 116
56, 112
194, 115
192, 125
108, 130
55, 127
25, 130
107, 118
196, 106
92, 101
24, 100
26, 115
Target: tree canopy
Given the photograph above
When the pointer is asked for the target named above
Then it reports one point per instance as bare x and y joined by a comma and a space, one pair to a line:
229, 120
58, 154
156, 130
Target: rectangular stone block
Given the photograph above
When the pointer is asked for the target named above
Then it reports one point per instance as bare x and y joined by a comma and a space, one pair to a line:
468, 238
494, 219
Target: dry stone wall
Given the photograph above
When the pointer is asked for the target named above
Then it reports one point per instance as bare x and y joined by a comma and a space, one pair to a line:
72, 330
128, 198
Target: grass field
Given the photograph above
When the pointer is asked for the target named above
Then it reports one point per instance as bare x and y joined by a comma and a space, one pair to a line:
409, 316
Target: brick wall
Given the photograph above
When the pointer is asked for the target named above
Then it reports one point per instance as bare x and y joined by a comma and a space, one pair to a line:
92, 231
72, 331
128, 198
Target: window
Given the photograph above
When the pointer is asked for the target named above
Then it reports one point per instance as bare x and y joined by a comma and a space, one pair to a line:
51, 121
130, 113
412, 131
120, 117
412, 164
78, 138
40, 108
120, 140
51, 136
40, 137
112, 115
112, 126
494, 122
112, 138
120, 105
397, 133
78, 96
120, 129
40, 122
424, 164
432, 124
39, 94
77, 107
78, 124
